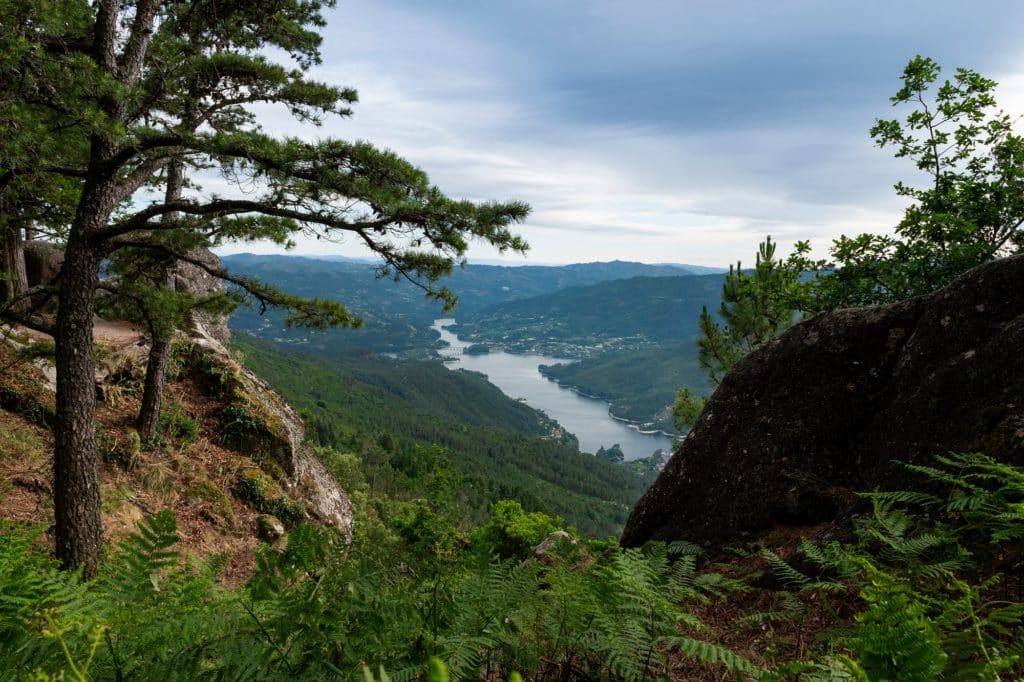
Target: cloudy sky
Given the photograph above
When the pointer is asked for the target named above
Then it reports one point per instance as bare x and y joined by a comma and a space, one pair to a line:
655, 131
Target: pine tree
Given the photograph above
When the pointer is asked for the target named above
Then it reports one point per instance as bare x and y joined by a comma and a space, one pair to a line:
131, 56
757, 305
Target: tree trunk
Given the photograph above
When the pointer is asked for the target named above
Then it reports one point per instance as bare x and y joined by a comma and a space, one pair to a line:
14, 280
153, 392
160, 348
76, 493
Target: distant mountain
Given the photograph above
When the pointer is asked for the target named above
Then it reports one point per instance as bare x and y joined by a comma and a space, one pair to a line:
396, 315
699, 269
619, 315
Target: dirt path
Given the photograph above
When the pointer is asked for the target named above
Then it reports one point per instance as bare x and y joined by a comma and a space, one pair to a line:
116, 333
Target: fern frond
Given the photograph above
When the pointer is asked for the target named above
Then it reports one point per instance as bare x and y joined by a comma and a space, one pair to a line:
679, 548
903, 497
709, 654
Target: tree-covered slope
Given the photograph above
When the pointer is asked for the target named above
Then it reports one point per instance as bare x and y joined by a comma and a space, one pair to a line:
363, 411
640, 385
584, 321
396, 315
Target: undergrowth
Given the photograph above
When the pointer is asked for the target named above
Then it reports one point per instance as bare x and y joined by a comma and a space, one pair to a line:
416, 596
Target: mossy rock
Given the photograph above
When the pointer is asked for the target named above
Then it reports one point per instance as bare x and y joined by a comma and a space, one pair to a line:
269, 528
206, 491
29, 401
247, 429
264, 494
215, 376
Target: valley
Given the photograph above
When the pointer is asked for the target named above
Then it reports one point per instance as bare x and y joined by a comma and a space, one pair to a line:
623, 333
586, 417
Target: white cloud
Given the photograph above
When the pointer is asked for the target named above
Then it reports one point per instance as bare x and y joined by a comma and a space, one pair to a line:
481, 118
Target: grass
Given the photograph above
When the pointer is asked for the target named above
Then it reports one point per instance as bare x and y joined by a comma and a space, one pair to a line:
20, 440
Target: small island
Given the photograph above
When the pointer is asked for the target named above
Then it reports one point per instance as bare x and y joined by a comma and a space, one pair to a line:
477, 349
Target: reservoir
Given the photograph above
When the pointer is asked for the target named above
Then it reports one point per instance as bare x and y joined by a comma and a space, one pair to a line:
518, 377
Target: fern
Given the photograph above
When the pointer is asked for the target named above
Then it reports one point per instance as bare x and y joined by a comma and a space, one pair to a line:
895, 640
710, 654
794, 579
142, 558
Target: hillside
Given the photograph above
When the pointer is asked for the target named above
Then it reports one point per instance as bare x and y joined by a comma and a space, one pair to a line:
353, 410
618, 315
194, 471
640, 386
396, 316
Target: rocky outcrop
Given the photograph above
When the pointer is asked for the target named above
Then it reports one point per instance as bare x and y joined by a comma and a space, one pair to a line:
257, 422
561, 546
43, 261
826, 407
196, 280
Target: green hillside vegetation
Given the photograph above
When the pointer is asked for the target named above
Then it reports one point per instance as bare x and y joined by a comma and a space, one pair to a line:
640, 386
393, 414
416, 597
618, 315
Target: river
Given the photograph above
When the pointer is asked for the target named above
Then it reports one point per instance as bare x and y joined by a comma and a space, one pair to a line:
518, 377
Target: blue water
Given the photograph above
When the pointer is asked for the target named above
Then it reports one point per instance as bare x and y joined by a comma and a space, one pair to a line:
518, 377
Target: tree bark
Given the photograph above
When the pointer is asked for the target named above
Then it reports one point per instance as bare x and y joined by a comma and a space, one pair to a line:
14, 281
76, 493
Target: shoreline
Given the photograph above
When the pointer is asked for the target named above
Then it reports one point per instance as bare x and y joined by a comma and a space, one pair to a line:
631, 423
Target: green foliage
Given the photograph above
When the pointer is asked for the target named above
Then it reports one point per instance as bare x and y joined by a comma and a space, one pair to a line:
970, 211
987, 493
178, 424
511, 533
239, 423
895, 640
366, 411
687, 408
756, 306
928, 613
265, 495
317, 608
122, 450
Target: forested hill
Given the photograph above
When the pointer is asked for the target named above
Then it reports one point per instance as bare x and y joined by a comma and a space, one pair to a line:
397, 316
621, 315
387, 414
640, 385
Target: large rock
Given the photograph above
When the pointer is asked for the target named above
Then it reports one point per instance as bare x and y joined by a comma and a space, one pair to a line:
196, 280
259, 423
824, 409
43, 261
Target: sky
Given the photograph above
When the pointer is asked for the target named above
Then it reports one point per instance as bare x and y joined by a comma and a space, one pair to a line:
649, 130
